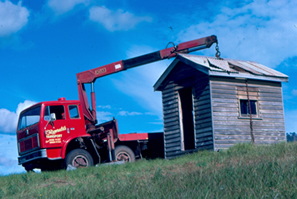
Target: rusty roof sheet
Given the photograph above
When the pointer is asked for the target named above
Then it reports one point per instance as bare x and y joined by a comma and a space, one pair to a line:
234, 66
225, 68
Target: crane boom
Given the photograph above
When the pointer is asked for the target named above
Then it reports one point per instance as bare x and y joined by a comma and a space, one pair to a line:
91, 75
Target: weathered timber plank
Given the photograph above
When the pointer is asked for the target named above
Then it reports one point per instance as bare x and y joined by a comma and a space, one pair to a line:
172, 136
269, 90
267, 116
267, 133
203, 125
226, 118
198, 102
280, 112
232, 137
217, 91
171, 119
171, 149
204, 143
170, 124
168, 111
171, 115
223, 109
170, 145
274, 95
172, 128
169, 95
223, 87
231, 141
245, 93
204, 139
204, 130
270, 99
227, 114
170, 106
224, 100
202, 116
223, 96
207, 134
199, 121
270, 107
203, 107
251, 89
175, 140
268, 142
201, 112
264, 103
227, 105
172, 132
232, 123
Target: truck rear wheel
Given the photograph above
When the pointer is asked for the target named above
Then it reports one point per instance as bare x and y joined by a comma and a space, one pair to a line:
79, 158
124, 153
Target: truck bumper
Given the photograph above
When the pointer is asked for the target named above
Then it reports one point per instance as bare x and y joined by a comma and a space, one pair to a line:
32, 156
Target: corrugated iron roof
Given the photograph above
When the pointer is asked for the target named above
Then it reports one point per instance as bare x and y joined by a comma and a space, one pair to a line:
227, 65
227, 68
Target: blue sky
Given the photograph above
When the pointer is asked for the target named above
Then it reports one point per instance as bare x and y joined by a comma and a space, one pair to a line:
43, 44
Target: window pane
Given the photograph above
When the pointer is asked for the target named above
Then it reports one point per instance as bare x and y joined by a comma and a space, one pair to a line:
29, 117
244, 107
58, 110
73, 111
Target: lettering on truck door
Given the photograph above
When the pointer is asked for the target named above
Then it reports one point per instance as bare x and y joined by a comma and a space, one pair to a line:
56, 131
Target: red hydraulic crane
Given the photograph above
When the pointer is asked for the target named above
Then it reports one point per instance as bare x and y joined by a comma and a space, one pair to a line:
90, 76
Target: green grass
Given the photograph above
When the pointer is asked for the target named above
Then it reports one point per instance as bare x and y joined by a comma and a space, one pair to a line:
243, 171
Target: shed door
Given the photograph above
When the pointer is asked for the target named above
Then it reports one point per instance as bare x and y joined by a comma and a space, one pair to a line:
186, 119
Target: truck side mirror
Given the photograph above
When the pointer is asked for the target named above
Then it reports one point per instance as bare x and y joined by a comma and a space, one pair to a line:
53, 117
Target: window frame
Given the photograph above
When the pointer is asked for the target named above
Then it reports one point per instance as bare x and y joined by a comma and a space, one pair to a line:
48, 107
247, 116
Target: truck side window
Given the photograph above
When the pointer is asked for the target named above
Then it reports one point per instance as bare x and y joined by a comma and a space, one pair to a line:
73, 111
58, 110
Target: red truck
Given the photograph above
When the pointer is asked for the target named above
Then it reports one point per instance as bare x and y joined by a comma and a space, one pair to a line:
54, 134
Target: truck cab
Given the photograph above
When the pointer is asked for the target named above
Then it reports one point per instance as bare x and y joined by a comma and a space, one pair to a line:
45, 129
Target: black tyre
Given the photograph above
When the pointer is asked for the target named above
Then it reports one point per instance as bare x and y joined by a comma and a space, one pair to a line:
124, 153
79, 158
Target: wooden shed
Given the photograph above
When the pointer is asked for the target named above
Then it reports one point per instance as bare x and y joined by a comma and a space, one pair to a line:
207, 104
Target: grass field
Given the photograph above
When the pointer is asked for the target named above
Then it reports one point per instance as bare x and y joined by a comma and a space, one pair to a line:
243, 171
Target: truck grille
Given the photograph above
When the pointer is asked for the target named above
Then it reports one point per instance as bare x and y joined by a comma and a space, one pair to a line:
28, 144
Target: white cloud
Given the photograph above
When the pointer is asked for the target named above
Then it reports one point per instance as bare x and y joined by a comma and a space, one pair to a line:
8, 160
63, 6
127, 113
8, 119
104, 107
103, 116
262, 31
115, 20
12, 17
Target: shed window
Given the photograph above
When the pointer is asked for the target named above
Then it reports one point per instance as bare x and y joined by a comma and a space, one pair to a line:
244, 107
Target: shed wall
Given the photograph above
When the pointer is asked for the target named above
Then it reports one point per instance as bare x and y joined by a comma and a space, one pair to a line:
230, 128
183, 77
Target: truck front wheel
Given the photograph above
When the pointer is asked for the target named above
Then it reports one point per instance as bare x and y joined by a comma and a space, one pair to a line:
79, 158
124, 153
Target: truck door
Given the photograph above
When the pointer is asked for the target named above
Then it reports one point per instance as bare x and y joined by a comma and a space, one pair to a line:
76, 124
56, 131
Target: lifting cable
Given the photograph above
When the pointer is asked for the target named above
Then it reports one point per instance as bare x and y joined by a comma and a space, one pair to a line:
250, 112
218, 53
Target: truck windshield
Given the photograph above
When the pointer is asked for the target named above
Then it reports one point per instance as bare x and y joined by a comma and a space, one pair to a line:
29, 117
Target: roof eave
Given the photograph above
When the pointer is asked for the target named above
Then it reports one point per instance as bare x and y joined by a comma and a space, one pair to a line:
248, 76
